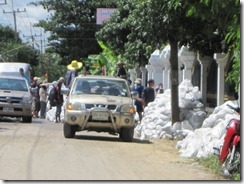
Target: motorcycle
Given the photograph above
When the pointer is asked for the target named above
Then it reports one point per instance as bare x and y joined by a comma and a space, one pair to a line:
229, 153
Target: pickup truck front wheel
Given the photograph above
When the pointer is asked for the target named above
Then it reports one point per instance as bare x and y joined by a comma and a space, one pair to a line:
69, 131
127, 134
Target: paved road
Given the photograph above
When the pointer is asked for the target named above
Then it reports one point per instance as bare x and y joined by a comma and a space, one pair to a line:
38, 151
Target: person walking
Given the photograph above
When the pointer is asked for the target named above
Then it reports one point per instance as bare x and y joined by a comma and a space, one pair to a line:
139, 101
43, 100
149, 94
37, 104
59, 100
121, 70
73, 69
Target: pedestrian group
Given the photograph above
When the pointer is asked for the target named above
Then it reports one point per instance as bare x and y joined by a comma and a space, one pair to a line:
43, 93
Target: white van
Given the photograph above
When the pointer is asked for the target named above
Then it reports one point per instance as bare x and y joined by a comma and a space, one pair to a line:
12, 68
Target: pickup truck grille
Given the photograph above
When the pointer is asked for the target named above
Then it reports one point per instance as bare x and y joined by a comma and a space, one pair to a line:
109, 107
4, 99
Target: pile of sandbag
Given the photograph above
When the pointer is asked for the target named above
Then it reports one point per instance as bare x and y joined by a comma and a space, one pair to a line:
200, 142
156, 122
196, 133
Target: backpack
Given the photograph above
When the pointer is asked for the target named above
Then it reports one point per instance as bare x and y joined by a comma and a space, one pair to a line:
52, 97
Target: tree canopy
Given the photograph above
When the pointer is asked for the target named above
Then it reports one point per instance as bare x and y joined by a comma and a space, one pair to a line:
139, 27
15, 51
73, 26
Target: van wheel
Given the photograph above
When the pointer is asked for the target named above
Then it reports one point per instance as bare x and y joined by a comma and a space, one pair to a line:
127, 134
69, 131
27, 119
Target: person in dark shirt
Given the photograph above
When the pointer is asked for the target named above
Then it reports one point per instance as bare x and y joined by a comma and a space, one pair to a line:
73, 69
149, 93
139, 101
59, 100
121, 70
87, 70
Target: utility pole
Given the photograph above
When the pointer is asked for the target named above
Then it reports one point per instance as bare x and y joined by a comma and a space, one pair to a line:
32, 36
15, 24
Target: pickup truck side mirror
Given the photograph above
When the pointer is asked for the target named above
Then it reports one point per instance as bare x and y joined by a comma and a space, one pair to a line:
134, 94
65, 91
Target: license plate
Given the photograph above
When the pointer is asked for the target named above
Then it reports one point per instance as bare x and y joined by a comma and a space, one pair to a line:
100, 116
8, 109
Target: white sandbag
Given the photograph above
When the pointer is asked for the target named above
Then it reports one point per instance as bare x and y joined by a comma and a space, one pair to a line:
185, 125
197, 118
180, 134
148, 134
191, 151
162, 133
168, 136
219, 130
150, 126
168, 128
176, 126
160, 122
155, 136
209, 122
159, 128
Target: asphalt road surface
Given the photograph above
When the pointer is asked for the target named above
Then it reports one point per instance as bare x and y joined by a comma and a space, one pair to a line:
39, 151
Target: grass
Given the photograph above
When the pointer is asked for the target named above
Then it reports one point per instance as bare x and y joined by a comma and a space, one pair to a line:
213, 164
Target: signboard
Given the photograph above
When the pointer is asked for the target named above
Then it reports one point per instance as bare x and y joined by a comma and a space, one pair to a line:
104, 14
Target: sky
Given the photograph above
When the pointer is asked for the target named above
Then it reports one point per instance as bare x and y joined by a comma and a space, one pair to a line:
26, 17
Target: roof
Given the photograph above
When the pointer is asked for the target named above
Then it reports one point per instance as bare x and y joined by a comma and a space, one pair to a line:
12, 77
101, 77
13, 66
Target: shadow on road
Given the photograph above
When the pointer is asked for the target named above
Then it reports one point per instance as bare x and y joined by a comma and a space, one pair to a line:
111, 139
9, 120
19, 120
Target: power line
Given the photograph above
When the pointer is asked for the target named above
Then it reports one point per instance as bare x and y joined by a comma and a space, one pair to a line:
32, 36
15, 24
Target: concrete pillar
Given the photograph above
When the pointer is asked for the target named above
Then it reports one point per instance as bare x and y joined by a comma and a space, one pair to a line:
180, 73
221, 59
166, 82
157, 75
187, 58
143, 75
138, 72
165, 55
205, 63
149, 72
133, 76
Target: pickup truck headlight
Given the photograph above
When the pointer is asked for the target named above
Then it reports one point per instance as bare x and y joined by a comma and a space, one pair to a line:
127, 109
76, 106
27, 100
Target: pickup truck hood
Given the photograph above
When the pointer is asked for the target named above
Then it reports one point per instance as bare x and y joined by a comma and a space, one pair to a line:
100, 99
17, 94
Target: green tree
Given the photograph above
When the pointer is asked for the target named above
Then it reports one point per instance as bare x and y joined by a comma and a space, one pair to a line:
15, 51
73, 26
224, 16
139, 27
50, 64
148, 24
124, 36
105, 58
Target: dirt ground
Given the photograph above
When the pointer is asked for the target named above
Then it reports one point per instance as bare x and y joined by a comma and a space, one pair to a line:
39, 151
